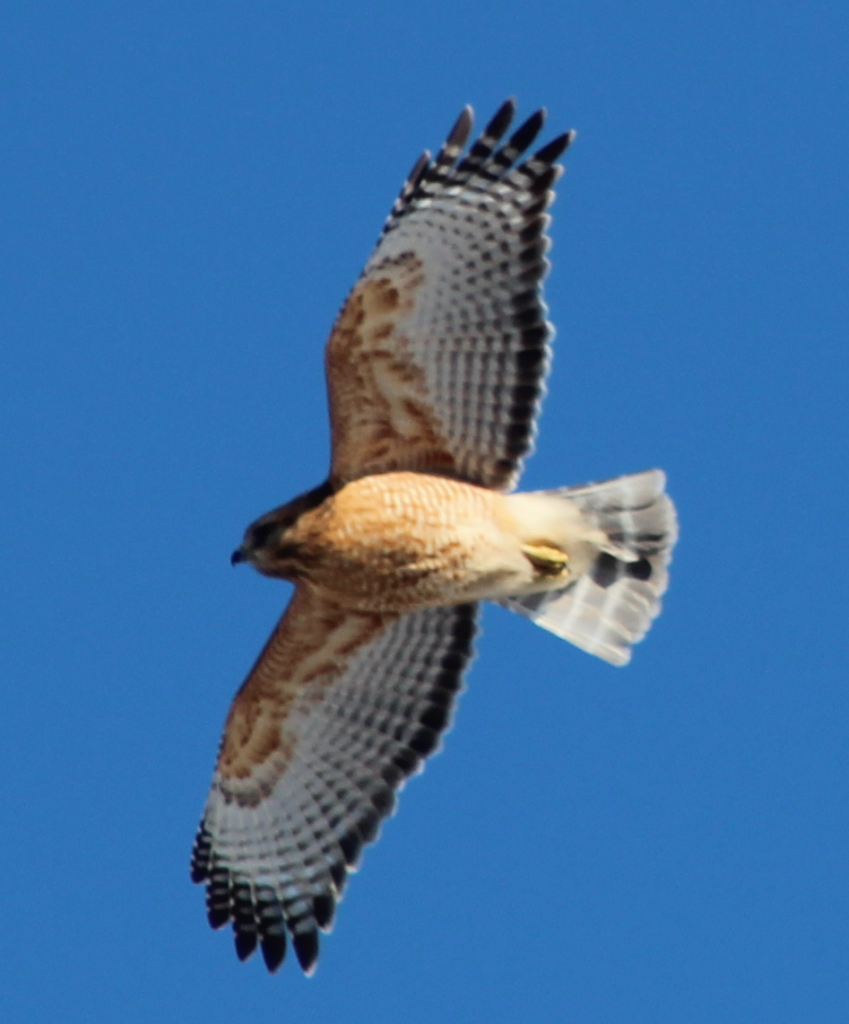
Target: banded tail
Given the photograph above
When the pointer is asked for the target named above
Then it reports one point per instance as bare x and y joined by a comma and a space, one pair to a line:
611, 607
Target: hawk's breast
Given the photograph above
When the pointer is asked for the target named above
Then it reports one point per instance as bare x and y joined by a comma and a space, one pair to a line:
401, 541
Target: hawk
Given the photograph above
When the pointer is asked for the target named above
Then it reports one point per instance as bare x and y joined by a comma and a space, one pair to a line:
435, 369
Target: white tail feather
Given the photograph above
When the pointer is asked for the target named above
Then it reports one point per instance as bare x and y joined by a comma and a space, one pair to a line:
612, 606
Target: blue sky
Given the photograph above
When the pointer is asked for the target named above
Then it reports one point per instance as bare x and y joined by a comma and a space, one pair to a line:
188, 191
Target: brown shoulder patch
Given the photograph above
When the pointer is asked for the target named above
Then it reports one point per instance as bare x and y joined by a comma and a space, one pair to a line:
382, 415
308, 651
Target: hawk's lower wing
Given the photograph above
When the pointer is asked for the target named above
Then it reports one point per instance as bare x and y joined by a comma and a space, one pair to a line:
339, 709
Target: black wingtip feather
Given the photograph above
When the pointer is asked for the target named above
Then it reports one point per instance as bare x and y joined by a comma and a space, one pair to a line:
502, 119
368, 826
535, 337
530, 358
423, 741
351, 845
527, 318
245, 942
529, 297
442, 696
339, 875
324, 909
452, 663
533, 252
435, 717
556, 148
273, 949
406, 761
527, 394
527, 132
217, 917
305, 945
384, 801
518, 448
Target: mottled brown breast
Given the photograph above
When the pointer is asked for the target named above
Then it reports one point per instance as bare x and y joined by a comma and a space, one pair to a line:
399, 541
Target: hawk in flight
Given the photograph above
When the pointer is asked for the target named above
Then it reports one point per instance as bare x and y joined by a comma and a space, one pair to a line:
435, 369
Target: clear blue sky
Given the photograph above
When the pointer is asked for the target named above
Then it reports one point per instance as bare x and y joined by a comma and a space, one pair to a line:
188, 191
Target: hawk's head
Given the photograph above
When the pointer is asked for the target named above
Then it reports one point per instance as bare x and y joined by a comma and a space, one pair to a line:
265, 544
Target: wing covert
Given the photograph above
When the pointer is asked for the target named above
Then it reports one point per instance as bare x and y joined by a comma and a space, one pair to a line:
339, 710
438, 358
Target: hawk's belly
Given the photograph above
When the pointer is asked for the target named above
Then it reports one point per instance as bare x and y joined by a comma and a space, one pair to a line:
401, 541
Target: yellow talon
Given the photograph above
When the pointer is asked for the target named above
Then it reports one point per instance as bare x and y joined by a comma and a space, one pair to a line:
546, 560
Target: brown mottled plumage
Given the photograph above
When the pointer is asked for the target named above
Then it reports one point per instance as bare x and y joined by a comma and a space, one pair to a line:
435, 368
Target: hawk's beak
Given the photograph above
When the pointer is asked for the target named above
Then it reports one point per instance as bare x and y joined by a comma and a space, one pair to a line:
237, 556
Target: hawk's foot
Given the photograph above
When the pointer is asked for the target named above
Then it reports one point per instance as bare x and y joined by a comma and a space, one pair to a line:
546, 560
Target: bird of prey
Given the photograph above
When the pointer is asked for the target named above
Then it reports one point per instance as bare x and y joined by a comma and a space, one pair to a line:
435, 369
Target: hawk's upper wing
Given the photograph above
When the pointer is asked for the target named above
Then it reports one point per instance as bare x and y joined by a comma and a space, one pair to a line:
339, 709
438, 358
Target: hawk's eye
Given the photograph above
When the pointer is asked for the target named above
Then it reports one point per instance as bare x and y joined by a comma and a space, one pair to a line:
261, 534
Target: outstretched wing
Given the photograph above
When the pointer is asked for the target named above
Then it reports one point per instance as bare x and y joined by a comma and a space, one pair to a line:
437, 360
339, 709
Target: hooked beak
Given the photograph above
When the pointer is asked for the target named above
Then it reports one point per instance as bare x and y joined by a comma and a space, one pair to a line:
237, 556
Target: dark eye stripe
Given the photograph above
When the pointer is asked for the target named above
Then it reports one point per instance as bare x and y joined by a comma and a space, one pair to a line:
261, 534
